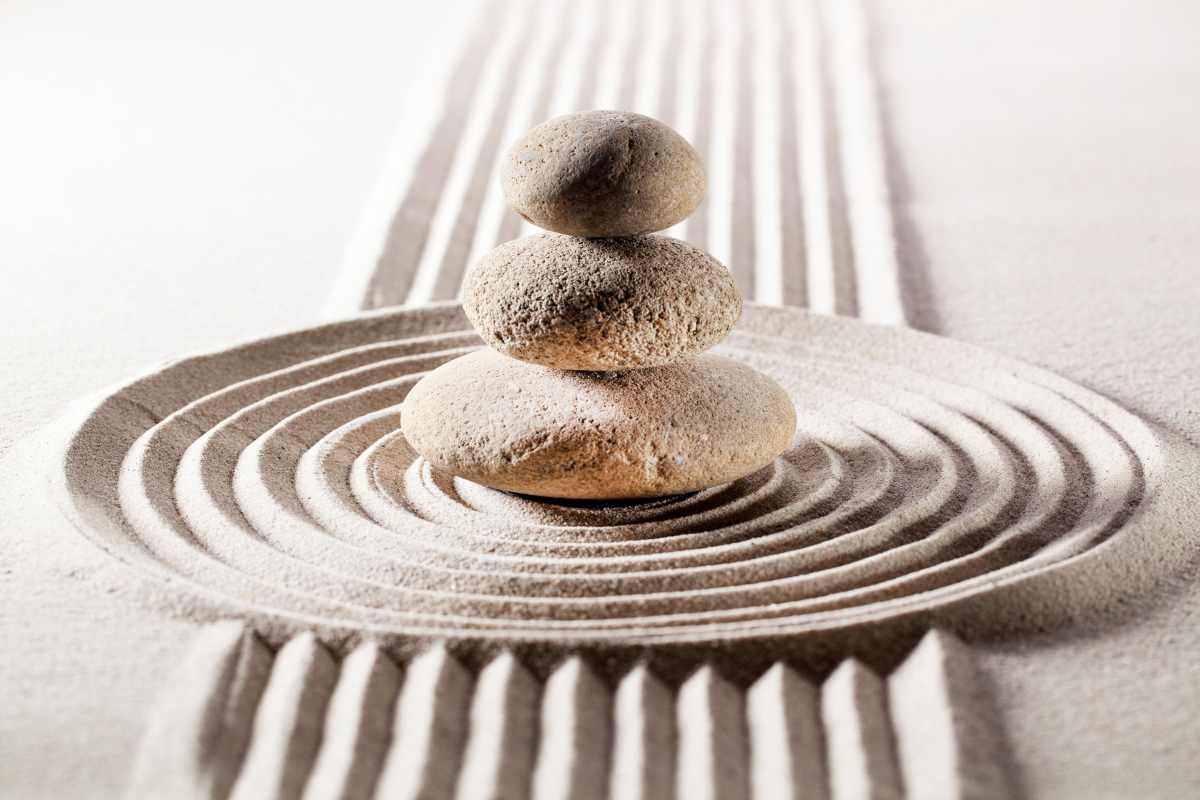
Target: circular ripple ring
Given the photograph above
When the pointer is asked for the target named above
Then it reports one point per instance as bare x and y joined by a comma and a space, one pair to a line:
928, 479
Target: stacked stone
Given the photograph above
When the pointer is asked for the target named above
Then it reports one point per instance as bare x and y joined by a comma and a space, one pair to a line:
595, 385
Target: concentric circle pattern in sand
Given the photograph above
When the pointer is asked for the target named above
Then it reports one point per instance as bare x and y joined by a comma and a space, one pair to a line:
926, 476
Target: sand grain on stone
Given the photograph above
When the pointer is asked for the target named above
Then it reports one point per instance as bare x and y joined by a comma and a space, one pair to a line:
702, 421
601, 304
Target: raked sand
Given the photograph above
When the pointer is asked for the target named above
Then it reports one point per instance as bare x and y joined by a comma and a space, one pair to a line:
1045, 184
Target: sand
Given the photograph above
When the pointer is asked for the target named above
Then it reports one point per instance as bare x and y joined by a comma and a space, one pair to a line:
1045, 179
270, 482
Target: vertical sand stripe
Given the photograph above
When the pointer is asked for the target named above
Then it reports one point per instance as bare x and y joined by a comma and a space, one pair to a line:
547, 80
429, 730
576, 736
200, 725
722, 119
742, 251
672, 21
644, 741
778, 99
420, 107
502, 742
648, 77
766, 182
634, 56
947, 739
845, 291
441, 228
531, 83
580, 38
320, 731
288, 725
682, 60
792, 267
462, 237
863, 166
357, 728
858, 735
787, 750
713, 751
698, 224
406, 237
812, 146
598, 27
565, 14
620, 16
576, 78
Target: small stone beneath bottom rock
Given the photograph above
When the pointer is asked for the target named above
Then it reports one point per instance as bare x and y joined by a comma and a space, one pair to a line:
503, 423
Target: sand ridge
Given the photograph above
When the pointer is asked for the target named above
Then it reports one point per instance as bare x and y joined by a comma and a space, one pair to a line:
929, 480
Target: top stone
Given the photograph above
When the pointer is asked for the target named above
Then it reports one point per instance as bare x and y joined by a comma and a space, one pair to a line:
601, 174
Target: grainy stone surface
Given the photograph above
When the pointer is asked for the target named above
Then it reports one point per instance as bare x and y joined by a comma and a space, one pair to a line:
603, 173
652, 432
601, 304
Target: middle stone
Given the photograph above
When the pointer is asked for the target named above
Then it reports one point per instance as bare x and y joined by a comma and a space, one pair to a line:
600, 304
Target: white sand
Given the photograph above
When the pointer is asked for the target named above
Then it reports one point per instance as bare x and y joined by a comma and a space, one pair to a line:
1050, 171
1052, 178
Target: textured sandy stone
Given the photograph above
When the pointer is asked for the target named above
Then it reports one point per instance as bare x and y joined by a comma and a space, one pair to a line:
601, 304
519, 427
603, 173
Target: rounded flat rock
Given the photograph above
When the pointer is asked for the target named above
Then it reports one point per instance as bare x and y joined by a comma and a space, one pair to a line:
603, 174
600, 304
700, 422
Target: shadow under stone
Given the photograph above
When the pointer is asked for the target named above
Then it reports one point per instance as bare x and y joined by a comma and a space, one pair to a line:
600, 505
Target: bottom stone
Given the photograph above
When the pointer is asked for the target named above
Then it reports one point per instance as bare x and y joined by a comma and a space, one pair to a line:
503, 423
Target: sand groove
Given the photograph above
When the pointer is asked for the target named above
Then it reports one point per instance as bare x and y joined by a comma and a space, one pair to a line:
924, 731
778, 98
276, 483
